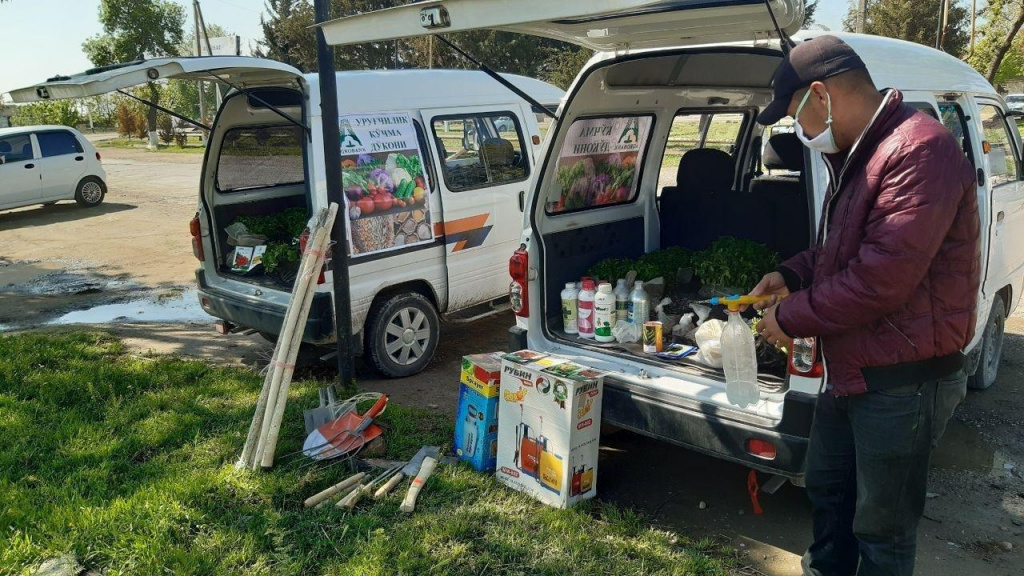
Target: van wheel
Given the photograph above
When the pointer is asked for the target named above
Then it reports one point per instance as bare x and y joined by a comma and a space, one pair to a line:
403, 334
991, 348
90, 192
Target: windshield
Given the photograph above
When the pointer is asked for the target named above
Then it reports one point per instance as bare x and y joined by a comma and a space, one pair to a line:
1015, 98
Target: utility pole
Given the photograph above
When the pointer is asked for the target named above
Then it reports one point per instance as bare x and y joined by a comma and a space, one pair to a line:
974, 20
862, 10
209, 49
430, 51
939, 31
199, 52
945, 22
332, 168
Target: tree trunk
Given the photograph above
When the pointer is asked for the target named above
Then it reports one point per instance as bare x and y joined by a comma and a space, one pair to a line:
154, 97
1005, 45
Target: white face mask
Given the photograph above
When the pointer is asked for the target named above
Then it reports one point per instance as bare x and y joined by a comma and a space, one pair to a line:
824, 142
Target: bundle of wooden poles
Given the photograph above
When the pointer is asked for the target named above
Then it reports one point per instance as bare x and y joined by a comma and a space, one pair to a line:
261, 442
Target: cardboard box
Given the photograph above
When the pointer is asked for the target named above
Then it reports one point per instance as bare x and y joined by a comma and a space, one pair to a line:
549, 427
476, 423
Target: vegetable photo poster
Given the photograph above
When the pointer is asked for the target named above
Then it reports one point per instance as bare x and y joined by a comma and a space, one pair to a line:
387, 194
598, 163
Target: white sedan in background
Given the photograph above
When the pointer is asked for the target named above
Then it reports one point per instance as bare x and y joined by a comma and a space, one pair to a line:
47, 164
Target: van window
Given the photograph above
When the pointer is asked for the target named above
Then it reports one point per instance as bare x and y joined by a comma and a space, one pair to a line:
260, 157
600, 163
480, 150
693, 130
953, 118
58, 143
16, 148
924, 107
1002, 159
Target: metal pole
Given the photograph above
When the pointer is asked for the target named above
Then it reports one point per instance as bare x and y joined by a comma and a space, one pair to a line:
209, 49
199, 52
945, 22
938, 26
862, 9
332, 169
974, 20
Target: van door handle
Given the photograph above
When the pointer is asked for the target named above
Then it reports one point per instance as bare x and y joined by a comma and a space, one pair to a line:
522, 200
29, 166
79, 158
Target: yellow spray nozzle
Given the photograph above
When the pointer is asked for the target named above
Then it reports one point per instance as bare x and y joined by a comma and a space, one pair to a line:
735, 301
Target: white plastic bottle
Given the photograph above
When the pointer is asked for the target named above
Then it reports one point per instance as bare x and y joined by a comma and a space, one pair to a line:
621, 300
570, 303
739, 360
585, 318
639, 308
604, 313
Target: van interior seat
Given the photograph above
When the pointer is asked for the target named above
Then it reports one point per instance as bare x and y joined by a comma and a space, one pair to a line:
498, 152
692, 213
784, 196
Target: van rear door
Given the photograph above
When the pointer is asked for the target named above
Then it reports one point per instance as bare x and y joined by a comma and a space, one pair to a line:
596, 24
241, 71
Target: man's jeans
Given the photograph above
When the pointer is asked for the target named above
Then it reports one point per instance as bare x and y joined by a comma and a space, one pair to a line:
867, 474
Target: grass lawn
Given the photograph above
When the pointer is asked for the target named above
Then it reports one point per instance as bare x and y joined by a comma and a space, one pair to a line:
126, 462
134, 144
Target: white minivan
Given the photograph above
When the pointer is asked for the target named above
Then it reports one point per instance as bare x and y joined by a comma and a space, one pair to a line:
47, 164
435, 166
666, 67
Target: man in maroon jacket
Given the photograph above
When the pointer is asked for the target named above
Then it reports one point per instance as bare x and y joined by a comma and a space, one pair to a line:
889, 290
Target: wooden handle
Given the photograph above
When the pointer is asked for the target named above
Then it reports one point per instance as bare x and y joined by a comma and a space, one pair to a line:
321, 496
349, 502
426, 469
385, 489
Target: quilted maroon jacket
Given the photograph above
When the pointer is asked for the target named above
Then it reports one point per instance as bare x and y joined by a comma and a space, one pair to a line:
890, 290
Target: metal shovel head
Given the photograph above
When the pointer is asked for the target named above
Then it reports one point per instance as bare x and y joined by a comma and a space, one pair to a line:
338, 437
322, 414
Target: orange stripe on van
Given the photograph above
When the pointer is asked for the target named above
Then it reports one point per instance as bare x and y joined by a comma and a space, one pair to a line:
465, 224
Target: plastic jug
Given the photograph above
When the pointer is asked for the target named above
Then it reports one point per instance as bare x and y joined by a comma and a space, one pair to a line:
739, 360
639, 307
585, 319
604, 313
570, 303
621, 300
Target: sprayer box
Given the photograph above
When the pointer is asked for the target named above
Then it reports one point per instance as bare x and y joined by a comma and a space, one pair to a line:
549, 427
476, 423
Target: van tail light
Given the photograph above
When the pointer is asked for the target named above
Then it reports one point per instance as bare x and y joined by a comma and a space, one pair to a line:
197, 237
98, 156
303, 240
519, 270
761, 448
803, 359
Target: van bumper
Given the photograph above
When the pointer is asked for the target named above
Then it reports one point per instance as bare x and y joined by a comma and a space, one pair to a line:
262, 316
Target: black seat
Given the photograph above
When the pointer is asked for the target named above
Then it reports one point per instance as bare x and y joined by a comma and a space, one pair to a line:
785, 196
693, 212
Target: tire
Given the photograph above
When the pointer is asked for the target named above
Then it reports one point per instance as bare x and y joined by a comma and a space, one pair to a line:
991, 348
403, 333
90, 192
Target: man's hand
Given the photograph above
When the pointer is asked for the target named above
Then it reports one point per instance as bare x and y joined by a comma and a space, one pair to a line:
774, 285
769, 329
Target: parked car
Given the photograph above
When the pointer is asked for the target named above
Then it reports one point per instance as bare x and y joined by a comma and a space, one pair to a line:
1015, 102
416, 256
645, 78
47, 164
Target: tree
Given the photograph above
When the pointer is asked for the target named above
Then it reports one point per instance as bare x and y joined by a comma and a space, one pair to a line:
914, 21
134, 28
278, 41
994, 56
809, 9
562, 67
62, 112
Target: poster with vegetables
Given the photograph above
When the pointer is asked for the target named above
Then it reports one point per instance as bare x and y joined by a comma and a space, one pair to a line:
598, 163
386, 188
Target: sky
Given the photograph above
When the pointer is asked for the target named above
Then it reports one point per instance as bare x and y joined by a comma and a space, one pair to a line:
43, 38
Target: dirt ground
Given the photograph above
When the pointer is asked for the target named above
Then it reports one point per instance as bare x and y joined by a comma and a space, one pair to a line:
129, 266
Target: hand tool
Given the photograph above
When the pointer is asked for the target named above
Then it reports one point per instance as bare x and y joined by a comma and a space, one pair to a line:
735, 301
410, 469
339, 487
409, 504
352, 498
345, 435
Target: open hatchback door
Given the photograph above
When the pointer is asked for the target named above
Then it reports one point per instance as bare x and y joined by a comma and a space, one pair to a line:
240, 71
601, 25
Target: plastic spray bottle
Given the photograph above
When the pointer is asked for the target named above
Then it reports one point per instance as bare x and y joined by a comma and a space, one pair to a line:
639, 307
739, 360
570, 303
604, 313
585, 319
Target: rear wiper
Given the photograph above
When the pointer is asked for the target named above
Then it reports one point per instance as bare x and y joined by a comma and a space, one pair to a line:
486, 70
166, 111
274, 109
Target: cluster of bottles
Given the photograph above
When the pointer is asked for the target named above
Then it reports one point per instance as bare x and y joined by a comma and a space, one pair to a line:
593, 313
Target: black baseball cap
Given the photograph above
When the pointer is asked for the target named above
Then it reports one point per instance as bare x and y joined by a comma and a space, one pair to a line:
812, 60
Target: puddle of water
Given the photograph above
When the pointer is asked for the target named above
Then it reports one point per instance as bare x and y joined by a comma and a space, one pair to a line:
179, 307
962, 448
68, 283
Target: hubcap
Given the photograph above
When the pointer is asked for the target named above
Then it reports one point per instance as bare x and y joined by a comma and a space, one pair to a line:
91, 192
407, 336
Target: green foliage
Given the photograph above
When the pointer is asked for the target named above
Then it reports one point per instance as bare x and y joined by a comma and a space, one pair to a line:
61, 112
999, 52
127, 463
564, 64
611, 269
280, 255
734, 263
658, 264
914, 21
281, 230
